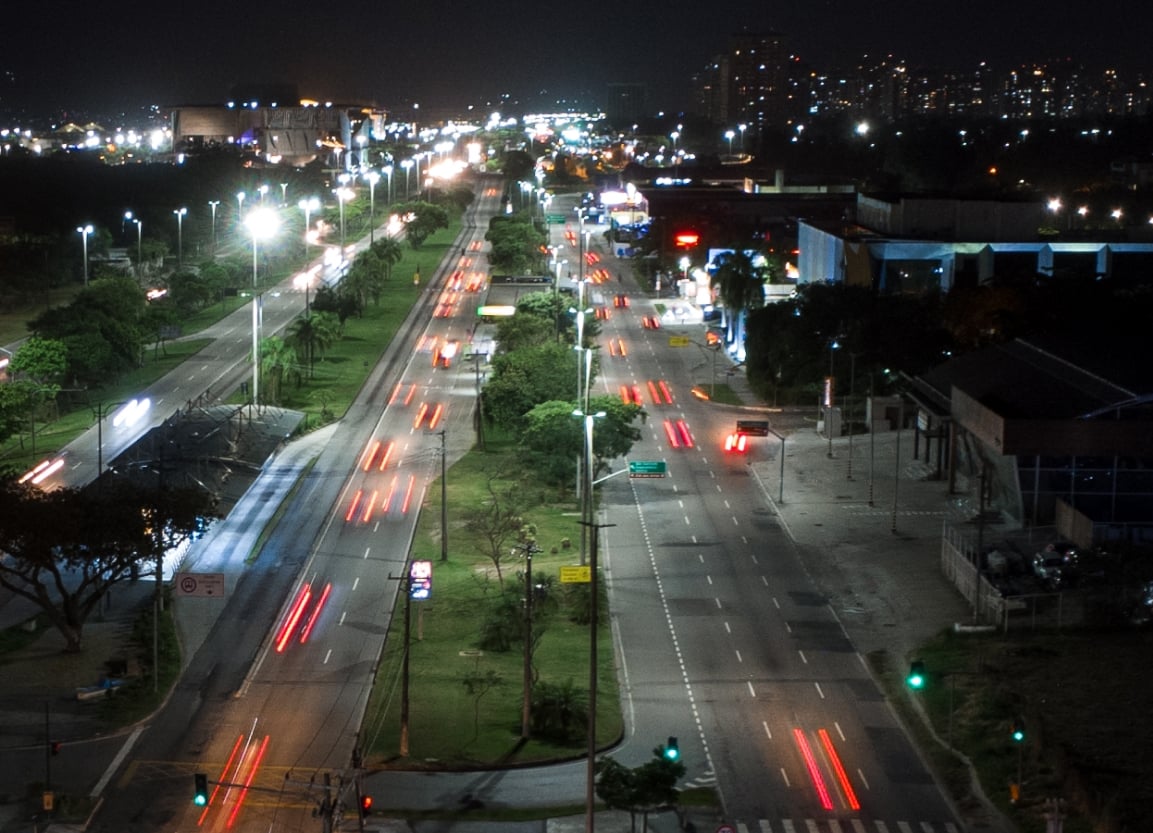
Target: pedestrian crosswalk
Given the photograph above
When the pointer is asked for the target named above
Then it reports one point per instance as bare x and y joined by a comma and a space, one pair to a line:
844, 826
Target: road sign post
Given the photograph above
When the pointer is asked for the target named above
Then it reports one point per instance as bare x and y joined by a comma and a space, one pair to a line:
200, 584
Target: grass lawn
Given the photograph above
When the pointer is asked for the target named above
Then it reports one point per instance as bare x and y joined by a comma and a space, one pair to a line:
448, 726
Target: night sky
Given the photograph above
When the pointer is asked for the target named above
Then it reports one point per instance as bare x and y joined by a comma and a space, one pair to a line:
84, 55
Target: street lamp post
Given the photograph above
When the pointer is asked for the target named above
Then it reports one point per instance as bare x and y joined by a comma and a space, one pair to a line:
373, 177
212, 204
84, 231
284, 193
180, 212
308, 206
829, 397
729, 134
239, 206
742, 128
387, 169
263, 189
342, 195
261, 224
587, 523
139, 245
407, 165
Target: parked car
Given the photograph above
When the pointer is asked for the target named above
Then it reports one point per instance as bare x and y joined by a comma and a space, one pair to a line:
1055, 564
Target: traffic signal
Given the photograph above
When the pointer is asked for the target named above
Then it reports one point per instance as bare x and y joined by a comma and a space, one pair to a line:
916, 678
200, 792
1018, 730
672, 750
365, 805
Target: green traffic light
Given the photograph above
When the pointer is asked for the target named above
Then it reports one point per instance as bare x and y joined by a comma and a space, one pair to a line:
1018, 734
916, 677
672, 750
200, 792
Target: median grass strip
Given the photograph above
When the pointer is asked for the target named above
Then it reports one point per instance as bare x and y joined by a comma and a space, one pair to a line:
465, 700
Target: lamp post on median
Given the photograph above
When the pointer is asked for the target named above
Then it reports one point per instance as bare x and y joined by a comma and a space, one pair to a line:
373, 177
84, 231
139, 241
343, 195
212, 204
830, 396
407, 165
308, 206
180, 212
239, 206
261, 224
387, 170
729, 135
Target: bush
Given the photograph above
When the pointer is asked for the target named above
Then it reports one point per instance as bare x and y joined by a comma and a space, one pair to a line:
559, 712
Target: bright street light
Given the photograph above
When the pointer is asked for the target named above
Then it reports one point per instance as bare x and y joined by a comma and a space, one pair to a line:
84, 231
180, 212
407, 165
388, 194
308, 206
262, 224
729, 134
213, 204
343, 195
373, 177
239, 206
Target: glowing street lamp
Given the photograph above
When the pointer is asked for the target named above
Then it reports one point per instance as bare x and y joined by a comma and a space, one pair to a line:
361, 141
284, 193
180, 212
239, 206
742, 128
213, 204
128, 215
729, 134
373, 177
407, 165
343, 195
308, 206
387, 169
262, 224
263, 189
84, 231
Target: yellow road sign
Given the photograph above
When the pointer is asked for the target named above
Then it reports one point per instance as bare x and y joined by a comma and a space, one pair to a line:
575, 574
679, 341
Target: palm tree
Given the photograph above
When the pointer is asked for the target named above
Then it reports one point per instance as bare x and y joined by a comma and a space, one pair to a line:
741, 287
311, 334
390, 253
277, 360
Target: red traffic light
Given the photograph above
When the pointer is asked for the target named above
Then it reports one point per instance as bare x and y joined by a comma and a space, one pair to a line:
686, 239
366, 804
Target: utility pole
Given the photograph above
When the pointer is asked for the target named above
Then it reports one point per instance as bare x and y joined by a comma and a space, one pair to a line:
530, 548
594, 616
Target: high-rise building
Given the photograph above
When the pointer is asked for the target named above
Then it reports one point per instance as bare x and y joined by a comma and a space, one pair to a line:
755, 77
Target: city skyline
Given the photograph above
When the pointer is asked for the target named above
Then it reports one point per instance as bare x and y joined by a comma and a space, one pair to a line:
438, 55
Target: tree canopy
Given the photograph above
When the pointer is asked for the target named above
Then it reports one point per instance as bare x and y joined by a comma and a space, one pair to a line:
67, 548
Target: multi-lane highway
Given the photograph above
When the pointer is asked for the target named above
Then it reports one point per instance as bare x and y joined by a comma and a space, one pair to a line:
725, 641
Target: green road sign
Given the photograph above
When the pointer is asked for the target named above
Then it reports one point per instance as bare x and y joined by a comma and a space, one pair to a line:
554, 218
648, 468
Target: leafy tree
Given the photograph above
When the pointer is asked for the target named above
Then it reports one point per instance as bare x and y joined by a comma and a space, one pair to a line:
650, 787
515, 244
424, 219
553, 439
519, 331
477, 684
559, 712
67, 548
523, 379
188, 292
497, 523
342, 304
518, 165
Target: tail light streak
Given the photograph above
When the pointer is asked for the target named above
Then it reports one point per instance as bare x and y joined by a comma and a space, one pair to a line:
408, 494
839, 769
306, 631
370, 454
352, 507
293, 617
222, 780
387, 454
814, 771
368, 504
671, 433
252, 770
435, 418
